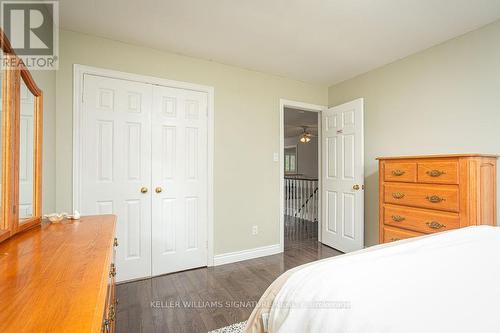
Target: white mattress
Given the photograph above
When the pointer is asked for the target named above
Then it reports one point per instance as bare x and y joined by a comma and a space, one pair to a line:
447, 282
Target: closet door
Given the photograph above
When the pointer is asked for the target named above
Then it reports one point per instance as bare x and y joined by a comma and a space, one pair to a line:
116, 166
179, 180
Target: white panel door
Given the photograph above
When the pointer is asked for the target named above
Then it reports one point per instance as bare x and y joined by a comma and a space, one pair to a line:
179, 180
116, 159
343, 177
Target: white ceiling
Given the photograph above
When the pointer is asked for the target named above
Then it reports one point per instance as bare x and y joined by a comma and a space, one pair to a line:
321, 41
295, 119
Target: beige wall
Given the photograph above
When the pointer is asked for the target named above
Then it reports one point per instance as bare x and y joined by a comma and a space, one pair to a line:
443, 100
246, 130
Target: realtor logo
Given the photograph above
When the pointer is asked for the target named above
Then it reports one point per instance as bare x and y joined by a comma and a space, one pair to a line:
32, 28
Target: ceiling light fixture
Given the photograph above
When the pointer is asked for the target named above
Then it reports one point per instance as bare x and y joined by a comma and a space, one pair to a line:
305, 137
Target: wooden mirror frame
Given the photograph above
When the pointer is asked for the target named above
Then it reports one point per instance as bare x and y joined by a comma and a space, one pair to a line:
10, 122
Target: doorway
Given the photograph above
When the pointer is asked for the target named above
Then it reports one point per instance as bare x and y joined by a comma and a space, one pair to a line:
300, 169
144, 154
301, 184
328, 205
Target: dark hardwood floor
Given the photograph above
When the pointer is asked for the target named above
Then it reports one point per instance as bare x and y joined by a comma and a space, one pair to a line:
204, 299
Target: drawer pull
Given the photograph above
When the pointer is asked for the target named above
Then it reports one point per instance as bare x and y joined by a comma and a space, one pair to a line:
115, 242
112, 271
398, 218
395, 239
105, 327
398, 172
111, 313
435, 225
435, 173
398, 195
435, 199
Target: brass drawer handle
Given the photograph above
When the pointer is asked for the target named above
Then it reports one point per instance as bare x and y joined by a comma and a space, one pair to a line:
112, 271
398, 172
111, 313
395, 239
435, 173
435, 225
398, 218
115, 242
398, 195
105, 327
435, 199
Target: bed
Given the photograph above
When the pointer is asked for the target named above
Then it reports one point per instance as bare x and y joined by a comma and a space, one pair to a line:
446, 282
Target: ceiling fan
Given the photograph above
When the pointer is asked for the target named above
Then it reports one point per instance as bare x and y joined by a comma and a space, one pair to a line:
306, 135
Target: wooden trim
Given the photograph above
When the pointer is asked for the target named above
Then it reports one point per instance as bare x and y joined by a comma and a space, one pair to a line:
10, 99
381, 172
10, 123
30, 82
434, 156
5, 43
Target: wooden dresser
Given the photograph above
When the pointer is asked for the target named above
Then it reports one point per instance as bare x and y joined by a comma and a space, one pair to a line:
426, 194
59, 277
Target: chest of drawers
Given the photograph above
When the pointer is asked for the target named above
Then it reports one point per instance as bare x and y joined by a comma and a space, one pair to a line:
425, 194
59, 278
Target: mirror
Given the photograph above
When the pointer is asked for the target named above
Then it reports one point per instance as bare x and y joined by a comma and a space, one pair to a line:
21, 111
26, 154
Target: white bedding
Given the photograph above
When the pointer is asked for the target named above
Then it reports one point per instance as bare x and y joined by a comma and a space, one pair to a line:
447, 282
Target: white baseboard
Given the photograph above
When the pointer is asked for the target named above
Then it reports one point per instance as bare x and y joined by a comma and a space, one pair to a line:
227, 258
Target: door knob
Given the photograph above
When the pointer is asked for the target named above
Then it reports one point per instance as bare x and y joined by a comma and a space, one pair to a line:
355, 187
144, 189
158, 189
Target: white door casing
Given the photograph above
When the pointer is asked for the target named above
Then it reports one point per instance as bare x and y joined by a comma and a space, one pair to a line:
343, 177
179, 174
116, 164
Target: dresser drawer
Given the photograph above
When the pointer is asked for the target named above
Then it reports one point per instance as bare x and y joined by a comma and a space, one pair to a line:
426, 221
445, 172
400, 172
395, 234
440, 197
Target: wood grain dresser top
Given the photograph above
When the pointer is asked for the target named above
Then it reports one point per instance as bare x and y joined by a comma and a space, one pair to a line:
54, 277
435, 156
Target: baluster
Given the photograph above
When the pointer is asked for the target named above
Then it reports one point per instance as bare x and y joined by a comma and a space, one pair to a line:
316, 201
299, 198
286, 196
302, 199
306, 203
312, 200
289, 197
294, 196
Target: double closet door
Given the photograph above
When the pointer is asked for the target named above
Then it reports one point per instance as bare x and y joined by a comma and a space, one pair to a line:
144, 153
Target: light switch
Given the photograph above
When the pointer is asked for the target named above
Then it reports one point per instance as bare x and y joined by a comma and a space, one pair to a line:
276, 157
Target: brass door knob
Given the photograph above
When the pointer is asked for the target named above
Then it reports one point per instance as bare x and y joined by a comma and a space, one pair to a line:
144, 190
356, 187
158, 189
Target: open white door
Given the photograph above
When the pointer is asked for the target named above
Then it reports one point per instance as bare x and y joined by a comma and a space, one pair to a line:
343, 177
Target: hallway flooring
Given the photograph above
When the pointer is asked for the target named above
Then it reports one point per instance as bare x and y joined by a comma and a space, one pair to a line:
204, 299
